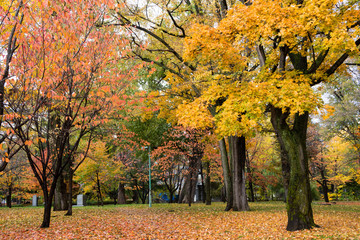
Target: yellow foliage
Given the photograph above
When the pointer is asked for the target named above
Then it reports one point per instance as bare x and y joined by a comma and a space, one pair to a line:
229, 67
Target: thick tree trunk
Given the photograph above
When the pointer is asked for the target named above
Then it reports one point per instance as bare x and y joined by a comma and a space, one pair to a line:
207, 184
226, 174
238, 155
293, 141
184, 194
285, 166
61, 196
69, 210
121, 194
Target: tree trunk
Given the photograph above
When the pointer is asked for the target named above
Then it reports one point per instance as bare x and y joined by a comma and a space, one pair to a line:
190, 199
188, 188
293, 141
207, 184
203, 193
238, 155
251, 187
47, 213
135, 196
285, 166
8, 197
121, 194
252, 195
69, 210
47, 207
3, 165
61, 196
227, 174
100, 199
171, 196
182, 195
324, 185
193, 176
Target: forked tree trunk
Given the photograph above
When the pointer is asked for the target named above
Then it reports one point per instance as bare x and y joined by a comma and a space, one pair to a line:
238, 155
293, 141
226, 174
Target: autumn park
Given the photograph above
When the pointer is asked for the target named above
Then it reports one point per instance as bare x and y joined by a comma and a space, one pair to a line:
179, 119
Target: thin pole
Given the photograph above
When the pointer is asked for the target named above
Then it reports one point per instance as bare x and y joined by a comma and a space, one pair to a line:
149, 178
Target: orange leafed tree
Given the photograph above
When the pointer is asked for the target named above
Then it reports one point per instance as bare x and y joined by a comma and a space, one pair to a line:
66, 81
10, 20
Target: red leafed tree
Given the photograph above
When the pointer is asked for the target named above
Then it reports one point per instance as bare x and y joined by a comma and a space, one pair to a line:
130, 152
180, 156
137, 172
66, 82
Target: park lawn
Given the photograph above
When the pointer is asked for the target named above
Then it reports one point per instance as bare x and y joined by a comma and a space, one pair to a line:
178, 221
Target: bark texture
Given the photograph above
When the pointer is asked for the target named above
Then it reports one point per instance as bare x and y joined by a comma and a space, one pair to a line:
226, 174
61, 195
238, 155
69, 209
121, 194
293, 142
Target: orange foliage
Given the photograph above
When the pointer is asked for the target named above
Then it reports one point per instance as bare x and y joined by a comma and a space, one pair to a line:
174, 221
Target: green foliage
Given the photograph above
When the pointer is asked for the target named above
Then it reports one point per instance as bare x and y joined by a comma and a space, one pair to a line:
350, 191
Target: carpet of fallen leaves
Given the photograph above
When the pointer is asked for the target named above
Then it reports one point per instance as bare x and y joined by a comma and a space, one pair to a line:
266, 220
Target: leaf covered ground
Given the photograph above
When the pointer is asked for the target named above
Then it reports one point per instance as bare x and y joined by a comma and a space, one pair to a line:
267, 220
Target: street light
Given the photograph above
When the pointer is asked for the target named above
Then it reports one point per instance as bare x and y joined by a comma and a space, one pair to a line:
148, 147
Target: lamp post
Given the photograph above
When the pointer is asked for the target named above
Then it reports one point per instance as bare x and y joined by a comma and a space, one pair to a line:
149, 175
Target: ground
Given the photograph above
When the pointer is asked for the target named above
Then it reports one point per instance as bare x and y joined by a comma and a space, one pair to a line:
266, 220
